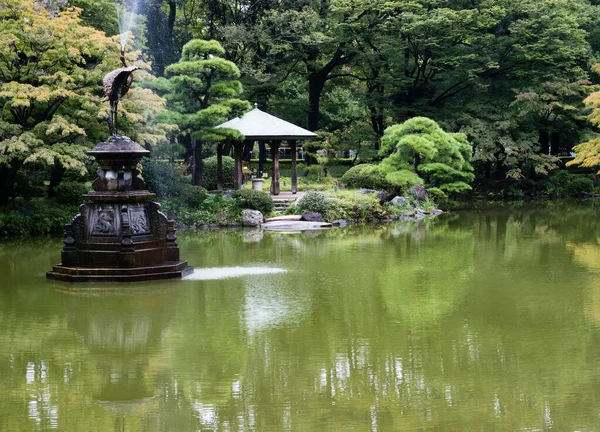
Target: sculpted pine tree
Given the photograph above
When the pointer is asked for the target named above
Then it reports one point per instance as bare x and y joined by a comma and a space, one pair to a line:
420, 151
202, 91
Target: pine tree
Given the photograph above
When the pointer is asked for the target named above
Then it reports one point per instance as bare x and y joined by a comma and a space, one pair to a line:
203, 90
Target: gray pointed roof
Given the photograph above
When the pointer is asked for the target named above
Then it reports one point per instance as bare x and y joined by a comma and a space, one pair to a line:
258, 125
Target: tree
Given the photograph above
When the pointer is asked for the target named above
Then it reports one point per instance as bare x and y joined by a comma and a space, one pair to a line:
420, 151
588, 153
51, 112
202, 91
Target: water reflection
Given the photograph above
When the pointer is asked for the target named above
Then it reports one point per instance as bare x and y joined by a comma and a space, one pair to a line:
482, 320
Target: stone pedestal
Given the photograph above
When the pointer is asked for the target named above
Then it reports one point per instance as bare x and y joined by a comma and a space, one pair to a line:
119, 235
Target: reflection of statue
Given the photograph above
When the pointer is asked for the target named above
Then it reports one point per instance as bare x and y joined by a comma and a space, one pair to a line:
116, 84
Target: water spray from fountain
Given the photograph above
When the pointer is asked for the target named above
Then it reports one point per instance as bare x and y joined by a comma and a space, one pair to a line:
126, 20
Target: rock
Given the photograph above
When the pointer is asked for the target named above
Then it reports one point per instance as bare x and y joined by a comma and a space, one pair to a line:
366, 191
312, 217
419, 192
405, 217
420, 211
252, 218
436, 212
400, 201
294, 226
339, 223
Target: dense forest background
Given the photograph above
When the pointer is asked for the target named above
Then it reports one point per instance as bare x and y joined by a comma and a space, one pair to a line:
517, 78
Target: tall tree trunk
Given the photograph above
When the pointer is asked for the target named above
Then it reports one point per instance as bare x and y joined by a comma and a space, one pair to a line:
554, 143
316, 83
8, 175
172, 14
544, 141
198, 162
56, 176
220, 166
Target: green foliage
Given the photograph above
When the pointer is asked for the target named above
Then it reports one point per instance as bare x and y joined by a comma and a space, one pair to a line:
356, 208
366, 176
419, 148
314, 201
255, 200
210, 172
565, 184
215, 209
164, 178
194, 196
203, 90
68, 192
36, 217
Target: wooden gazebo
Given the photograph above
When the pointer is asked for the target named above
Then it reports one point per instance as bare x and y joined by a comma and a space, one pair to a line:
257, 125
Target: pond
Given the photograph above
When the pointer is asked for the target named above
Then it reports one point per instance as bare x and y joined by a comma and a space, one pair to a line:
480, 320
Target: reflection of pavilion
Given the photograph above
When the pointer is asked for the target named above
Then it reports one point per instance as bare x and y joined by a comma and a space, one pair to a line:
122, 330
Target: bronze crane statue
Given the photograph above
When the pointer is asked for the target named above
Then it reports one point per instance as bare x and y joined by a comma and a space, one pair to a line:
116, 84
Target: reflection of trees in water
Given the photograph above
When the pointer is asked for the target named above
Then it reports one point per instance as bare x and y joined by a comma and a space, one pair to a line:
477, 321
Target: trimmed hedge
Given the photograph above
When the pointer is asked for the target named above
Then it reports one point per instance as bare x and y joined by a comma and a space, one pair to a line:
194, 196
255, 200
163, 178
36, 217
209, 180
68, 192
366, 176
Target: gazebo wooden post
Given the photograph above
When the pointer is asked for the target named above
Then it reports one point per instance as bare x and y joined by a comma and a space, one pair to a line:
238, 149
220, 166
294, 168
275, 176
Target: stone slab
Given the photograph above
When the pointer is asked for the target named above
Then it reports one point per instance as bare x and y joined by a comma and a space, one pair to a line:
294, 225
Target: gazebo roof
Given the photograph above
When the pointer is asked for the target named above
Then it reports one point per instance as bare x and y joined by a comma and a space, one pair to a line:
258, 125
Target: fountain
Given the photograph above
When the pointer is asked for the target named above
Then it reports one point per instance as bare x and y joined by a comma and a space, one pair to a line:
119, 235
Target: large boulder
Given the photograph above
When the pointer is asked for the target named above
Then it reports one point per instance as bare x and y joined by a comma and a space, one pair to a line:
400, 201
252, 218
419, 192
312, 217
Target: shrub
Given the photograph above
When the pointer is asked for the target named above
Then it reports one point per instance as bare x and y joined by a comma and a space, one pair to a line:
163, 178
194, 196
566, 184
36, 217
30, 185
67, 192
356, 208
366, 176
255, 200
314, 201
209, 179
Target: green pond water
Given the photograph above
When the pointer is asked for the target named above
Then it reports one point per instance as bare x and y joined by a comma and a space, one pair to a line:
487, 320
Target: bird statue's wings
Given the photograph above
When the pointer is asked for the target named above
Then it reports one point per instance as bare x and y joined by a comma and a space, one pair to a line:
117, 83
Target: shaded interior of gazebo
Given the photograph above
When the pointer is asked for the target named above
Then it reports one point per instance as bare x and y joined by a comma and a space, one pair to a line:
257, 125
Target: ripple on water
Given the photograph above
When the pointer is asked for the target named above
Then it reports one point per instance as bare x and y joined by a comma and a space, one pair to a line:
230, 272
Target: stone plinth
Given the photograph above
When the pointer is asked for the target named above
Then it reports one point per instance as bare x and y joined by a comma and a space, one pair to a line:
119, 235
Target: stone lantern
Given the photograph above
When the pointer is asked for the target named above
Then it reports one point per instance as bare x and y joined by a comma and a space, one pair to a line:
119, 234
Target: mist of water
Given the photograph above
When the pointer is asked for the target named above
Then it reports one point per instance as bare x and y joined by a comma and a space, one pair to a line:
230, 272
126, 20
